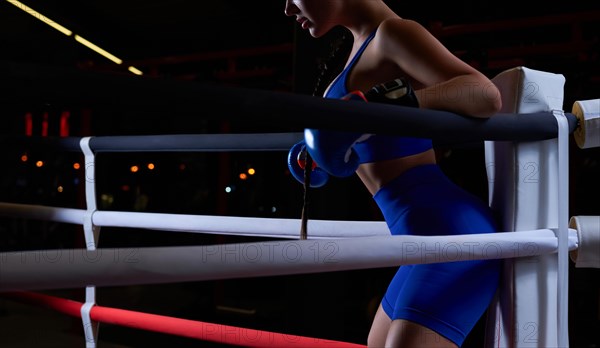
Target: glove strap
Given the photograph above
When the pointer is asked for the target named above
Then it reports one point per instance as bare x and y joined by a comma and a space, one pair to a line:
397, 91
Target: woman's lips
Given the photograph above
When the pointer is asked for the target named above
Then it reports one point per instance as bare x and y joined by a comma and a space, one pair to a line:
303, 22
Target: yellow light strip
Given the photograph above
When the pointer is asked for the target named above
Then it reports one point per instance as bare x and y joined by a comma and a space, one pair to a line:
135, 70
68, 32
41, 17
97, 49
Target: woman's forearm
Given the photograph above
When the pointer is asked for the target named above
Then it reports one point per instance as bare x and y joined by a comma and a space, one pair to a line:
469, 95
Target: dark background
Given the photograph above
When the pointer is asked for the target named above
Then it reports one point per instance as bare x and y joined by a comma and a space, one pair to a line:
251, 44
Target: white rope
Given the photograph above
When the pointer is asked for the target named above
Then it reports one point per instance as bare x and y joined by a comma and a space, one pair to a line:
242, 226
44, 213
225, 225
54, 269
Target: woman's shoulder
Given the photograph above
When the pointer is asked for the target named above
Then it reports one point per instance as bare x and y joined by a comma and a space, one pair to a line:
400, 27
397, 35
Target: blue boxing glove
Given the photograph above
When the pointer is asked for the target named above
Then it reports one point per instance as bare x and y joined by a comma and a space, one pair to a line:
297, 161
333, 149
398, 92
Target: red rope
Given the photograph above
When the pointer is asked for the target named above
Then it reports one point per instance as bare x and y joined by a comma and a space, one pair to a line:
179, 327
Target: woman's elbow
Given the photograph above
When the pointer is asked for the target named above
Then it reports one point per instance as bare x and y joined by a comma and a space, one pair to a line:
494, 107
490, 103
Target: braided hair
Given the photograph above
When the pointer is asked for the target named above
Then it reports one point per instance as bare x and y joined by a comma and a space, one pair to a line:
332, 63
329, 66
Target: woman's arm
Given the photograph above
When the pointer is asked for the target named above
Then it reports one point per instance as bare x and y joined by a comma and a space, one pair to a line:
450, 84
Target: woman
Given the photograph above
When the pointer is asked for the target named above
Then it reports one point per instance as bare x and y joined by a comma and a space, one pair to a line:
433, 305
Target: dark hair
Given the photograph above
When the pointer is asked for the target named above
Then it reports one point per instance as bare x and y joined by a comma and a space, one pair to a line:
328, 67
332, 63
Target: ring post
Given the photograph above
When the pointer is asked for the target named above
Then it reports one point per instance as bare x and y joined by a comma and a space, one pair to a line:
523, 180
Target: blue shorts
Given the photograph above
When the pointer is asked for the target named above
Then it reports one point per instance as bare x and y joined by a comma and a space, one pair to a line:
449, 298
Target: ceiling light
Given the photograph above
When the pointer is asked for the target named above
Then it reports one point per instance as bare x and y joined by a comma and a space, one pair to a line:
41, 17
68, 32
97, 49
135, 70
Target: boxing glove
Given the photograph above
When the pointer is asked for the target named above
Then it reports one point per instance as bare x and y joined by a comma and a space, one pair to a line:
296, 161
398, 92
333, 149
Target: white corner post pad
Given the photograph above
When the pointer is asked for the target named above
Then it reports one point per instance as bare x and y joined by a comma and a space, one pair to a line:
587, 254
524, 189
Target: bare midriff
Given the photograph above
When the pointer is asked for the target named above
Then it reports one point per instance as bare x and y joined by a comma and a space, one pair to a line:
375, 175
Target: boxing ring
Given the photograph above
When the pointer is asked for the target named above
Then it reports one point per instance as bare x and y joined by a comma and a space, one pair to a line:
539, 235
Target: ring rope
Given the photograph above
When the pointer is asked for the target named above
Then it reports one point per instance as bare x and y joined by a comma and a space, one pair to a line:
72, 268
225, 225
161, 143
199, 330
25, 85
503, 127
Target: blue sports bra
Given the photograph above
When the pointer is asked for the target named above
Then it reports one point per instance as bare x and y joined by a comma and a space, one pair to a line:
377, 147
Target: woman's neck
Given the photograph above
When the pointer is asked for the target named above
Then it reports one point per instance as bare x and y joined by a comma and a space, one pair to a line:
366, 16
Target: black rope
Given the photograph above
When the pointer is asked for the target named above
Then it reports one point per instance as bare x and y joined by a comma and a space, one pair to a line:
308, 162
24, 85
